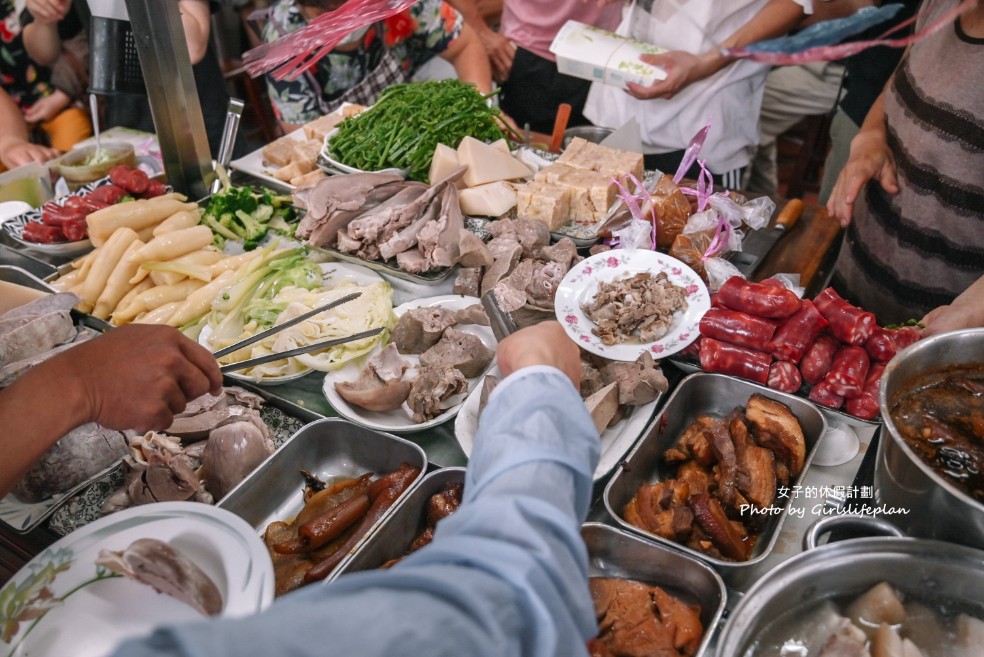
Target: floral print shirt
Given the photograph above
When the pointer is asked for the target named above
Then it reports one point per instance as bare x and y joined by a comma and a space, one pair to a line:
25, 81
410, 38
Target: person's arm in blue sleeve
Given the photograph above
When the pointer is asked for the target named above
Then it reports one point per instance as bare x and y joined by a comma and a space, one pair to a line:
505, 575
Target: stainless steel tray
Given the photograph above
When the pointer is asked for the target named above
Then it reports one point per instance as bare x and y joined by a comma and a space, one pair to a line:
703, 394
616, 553
399, 529
835, 414
330, 447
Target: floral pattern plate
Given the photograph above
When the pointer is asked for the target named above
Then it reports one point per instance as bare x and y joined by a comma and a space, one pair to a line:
581, 283
62, 603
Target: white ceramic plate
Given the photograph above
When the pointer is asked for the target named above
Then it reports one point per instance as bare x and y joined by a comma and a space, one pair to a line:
615, 441
398, 421
581, 283
335, 167
96, 613
332, 274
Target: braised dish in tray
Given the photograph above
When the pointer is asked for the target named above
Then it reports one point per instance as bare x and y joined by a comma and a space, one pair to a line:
725, 485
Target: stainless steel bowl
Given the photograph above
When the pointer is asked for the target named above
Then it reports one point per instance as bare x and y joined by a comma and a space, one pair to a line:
592, 133
934, 508
922, 570
703, 394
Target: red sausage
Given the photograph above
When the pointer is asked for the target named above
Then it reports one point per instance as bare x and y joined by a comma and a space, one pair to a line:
110, 194
784, 376
758, 299
848, 371
906, 336
53, 214
137, 182
818, 359
823, 394
154, 188
737, 328
119, 175
848, 323
75, 229
35, 231
797, 332
717, 356
866, 406
881, 345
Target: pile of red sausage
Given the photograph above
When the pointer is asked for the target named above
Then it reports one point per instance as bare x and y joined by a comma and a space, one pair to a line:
65, 221
765, 333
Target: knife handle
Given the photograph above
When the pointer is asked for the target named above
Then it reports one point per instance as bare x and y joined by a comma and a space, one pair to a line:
790, 214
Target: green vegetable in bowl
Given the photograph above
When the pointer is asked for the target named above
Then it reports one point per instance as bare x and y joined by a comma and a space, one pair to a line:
402, 129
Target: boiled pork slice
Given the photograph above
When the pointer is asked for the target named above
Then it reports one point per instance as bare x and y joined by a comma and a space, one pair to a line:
544, 282
379, 386
473, 251
473, 314
35, 336
419, 329
564, 253
468, 281
463, 351
432, 386
639, 382
157, 564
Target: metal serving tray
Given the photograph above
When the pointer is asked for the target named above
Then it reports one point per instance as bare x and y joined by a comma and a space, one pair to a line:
616, 553
401, 526
331, 447
704, 394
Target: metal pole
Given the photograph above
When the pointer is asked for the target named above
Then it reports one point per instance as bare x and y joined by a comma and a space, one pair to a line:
166, 66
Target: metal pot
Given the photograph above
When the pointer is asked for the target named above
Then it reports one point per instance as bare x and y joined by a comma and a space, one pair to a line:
918, 568
903, 481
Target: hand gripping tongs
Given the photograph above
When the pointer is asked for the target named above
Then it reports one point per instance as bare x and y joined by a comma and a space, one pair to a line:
317, 346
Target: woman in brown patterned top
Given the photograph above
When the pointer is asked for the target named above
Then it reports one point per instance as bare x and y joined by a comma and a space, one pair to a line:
912, 193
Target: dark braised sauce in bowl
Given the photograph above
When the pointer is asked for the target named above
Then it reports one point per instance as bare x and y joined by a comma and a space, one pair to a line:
941, 418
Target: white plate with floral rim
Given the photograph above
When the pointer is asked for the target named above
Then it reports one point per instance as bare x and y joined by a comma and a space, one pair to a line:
62, 603
615, 440
399, 420
581, 283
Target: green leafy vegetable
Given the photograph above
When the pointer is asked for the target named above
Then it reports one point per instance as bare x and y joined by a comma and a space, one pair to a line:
402, 129
246, 214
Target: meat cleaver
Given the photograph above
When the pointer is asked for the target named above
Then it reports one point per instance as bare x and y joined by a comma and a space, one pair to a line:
758, 243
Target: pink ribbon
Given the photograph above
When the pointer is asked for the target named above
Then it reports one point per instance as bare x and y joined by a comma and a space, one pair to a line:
722, 235
831, 53
632, 201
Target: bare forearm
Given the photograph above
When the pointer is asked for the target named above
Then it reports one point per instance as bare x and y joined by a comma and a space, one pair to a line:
470, 60
196, 20
470, 13
42, 42
775, 19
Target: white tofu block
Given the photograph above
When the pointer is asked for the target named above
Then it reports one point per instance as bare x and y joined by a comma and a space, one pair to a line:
487, 164
445, 161
543, 202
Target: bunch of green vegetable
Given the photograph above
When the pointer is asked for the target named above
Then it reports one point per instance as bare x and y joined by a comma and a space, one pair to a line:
246, 214
404, 126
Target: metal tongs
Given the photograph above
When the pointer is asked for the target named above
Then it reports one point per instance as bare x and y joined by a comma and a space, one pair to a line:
252, 362
262, 335
500, 321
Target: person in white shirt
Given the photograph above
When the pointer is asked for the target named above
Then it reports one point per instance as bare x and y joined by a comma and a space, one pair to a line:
701, 84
